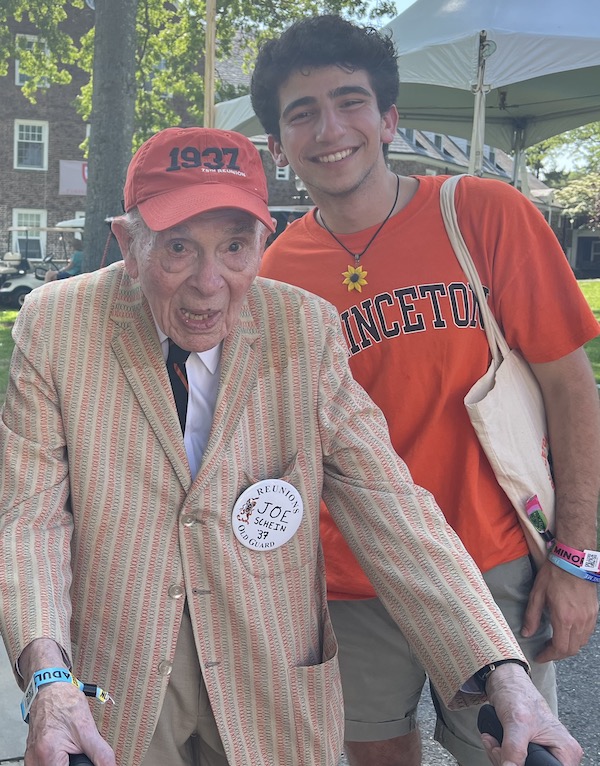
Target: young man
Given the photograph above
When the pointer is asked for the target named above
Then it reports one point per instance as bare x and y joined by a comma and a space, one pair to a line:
375, 246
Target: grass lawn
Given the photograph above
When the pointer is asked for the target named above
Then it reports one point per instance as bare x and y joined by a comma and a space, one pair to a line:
6, 346
591, 290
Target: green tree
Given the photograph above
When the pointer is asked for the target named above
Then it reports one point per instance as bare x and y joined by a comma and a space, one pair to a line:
578, 190
582, 143
165, 86
585, 141
169, 52
111, 120
581, 200
46, 62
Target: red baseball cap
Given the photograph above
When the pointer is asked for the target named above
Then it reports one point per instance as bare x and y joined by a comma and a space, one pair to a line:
182, 172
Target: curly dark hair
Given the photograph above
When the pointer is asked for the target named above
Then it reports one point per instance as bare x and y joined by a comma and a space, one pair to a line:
322, 41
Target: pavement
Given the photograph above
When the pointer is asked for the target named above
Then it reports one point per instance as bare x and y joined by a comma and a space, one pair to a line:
13, 732
578, 685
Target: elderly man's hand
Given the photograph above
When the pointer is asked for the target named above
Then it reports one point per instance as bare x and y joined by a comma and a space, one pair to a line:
525, 717
60, 723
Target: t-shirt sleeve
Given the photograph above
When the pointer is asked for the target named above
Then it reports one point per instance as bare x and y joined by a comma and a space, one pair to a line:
533, 292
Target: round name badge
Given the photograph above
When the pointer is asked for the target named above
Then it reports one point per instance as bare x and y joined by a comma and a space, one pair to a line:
267, 514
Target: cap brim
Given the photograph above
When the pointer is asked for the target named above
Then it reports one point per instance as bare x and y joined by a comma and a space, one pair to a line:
173, 207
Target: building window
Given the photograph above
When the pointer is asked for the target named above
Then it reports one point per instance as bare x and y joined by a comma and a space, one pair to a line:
28, 42
31, 145
409, 134
437, 140
28, 239
282, 174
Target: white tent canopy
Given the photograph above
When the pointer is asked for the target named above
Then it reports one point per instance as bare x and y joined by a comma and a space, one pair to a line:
540, 78
237, 114
538, 73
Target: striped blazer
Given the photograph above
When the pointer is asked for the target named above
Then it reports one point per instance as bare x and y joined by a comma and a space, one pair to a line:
102, 528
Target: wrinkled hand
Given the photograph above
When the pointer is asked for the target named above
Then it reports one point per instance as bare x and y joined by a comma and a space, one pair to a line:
60, 723
572, 605
525, 717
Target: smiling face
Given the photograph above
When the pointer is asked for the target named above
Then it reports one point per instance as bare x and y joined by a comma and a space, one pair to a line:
331, 131
195, 275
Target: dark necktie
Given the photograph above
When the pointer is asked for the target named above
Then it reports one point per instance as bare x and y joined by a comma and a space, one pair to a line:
178, 377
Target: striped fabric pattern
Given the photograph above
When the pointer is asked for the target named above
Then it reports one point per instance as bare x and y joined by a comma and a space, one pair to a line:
96, 501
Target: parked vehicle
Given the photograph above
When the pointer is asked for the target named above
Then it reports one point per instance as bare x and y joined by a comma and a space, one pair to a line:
22, 268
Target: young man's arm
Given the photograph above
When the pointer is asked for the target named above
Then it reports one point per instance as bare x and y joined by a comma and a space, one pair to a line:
573, 414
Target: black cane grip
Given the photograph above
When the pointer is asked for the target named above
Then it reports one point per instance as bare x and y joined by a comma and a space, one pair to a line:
79, 759
537, 755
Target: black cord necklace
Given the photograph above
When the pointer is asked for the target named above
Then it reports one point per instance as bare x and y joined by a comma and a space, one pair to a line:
354, 277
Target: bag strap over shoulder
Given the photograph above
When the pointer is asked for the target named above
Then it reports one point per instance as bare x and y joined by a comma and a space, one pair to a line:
498, 345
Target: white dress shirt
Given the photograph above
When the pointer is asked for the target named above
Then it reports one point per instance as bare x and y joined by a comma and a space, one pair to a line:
202, 369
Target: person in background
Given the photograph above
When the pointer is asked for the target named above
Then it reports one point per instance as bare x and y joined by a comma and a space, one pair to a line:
172, 422
73, 267
376, 247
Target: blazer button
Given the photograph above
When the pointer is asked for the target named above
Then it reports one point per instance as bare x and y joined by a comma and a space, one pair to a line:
176, 591
165, 668
188, 520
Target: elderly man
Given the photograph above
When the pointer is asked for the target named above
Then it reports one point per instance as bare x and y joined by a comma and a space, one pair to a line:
171, 423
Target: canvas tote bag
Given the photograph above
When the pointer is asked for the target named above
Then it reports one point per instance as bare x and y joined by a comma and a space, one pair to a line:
507, 410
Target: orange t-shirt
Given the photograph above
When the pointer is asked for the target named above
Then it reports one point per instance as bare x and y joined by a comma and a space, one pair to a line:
417, 346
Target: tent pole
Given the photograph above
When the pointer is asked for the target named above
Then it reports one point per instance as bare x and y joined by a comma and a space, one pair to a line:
517, 159
209, 64
476, 154
486, 49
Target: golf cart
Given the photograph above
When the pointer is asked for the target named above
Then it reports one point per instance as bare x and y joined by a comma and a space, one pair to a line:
24, 265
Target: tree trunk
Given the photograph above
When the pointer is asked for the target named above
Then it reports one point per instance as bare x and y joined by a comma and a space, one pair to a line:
112, 120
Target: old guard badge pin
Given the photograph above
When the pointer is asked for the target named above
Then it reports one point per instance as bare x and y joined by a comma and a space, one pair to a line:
267, 514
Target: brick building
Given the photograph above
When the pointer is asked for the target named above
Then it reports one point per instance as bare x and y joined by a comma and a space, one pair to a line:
42, 168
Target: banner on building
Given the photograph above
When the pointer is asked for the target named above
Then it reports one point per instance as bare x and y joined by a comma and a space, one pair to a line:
73, 177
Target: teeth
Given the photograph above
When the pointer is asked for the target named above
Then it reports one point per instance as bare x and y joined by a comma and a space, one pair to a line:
336, 157
195, 317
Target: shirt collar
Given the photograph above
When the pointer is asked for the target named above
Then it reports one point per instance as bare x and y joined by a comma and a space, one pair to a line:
209, 358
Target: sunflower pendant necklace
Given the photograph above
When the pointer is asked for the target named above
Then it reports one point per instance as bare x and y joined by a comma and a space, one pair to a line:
355, 276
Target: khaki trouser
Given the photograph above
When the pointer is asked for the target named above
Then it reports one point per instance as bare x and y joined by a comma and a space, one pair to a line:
186, 734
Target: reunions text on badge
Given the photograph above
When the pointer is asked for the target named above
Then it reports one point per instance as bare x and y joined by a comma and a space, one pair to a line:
267, 514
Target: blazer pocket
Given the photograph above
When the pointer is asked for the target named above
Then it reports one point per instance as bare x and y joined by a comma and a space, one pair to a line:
316, 695
301, 548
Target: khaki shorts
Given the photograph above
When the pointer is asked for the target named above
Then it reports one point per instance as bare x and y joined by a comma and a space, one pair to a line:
382, 680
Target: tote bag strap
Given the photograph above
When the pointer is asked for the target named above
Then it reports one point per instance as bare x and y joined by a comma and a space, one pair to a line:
498, 345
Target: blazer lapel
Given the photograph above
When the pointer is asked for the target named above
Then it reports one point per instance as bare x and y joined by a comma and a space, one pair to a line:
137, 348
